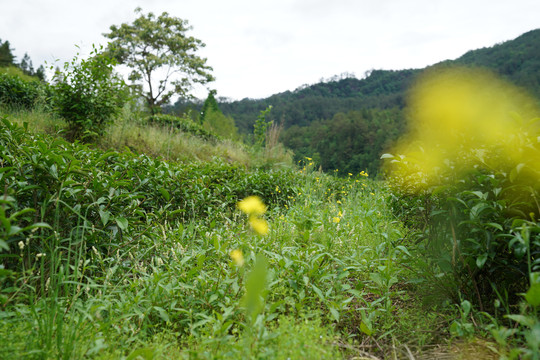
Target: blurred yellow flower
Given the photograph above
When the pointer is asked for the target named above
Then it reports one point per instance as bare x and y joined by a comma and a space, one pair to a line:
259, 225
336, 219
254, 208
252, 205
463, 118
237, 257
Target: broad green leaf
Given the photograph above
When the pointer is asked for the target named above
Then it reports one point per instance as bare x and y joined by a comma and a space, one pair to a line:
523, 320
335, 313
165, 194
366, 329
255, 285
122, 223
3, 245
104, 215
481, 260
162, 313
533, 295
318, 292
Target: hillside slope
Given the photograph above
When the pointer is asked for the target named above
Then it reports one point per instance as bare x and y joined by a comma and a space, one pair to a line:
517, 60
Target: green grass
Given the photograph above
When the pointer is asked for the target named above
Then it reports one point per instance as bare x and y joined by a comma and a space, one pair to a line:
132, 131
137, 258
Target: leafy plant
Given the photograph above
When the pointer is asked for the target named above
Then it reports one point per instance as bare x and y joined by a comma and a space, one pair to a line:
18, 93
151, 44
88, 94
261, 127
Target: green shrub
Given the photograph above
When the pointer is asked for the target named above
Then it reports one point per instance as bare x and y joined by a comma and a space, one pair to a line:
79, 190
21, 94
88, 94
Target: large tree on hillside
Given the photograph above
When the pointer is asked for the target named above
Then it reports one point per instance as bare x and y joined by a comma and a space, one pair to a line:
161, 55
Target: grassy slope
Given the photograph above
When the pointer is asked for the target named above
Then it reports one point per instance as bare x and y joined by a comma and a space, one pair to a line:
144, 270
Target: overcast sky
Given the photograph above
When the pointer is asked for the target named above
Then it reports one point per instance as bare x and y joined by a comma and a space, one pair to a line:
259, 48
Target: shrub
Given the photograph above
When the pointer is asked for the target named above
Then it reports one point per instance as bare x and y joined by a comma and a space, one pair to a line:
21, 94
88, 94
468, 174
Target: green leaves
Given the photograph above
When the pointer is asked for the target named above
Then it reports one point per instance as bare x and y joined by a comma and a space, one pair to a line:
255, 286
151, 44
88, 94
18, 93
533, 294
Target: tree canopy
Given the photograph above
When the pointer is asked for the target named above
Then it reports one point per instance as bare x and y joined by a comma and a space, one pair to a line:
6, 56
161, 55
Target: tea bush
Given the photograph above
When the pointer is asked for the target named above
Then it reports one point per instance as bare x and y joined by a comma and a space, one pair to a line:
88, 94
110, 193
21, 94
105, 252
466, 177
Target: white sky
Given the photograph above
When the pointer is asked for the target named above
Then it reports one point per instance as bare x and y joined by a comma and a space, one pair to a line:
258, 47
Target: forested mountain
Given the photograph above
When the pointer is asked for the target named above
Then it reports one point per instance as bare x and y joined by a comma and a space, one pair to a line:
347, 123
517, 60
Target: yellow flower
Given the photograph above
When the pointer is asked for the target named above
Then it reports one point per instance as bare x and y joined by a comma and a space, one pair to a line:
237, 257
259, 225
336, 219
252, 205
308, 158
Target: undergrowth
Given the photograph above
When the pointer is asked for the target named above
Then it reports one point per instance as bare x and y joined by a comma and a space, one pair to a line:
119, 255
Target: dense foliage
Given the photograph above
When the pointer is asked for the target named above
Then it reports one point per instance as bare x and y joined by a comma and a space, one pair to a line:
303, 110
106, 251
466, 177
183, 124
88, 94
350, 142
18, 93
161, 55
106, 187
114, 254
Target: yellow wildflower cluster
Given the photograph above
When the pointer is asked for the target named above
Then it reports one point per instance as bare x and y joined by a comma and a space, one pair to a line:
337, 219
255, 208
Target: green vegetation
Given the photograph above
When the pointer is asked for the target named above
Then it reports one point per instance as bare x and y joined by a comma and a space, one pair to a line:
466, 177
150, 45
304, 111
88, 95
115, 254
166, 236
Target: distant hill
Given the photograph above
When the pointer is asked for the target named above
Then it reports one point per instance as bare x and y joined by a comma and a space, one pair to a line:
518, 60
347, 123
